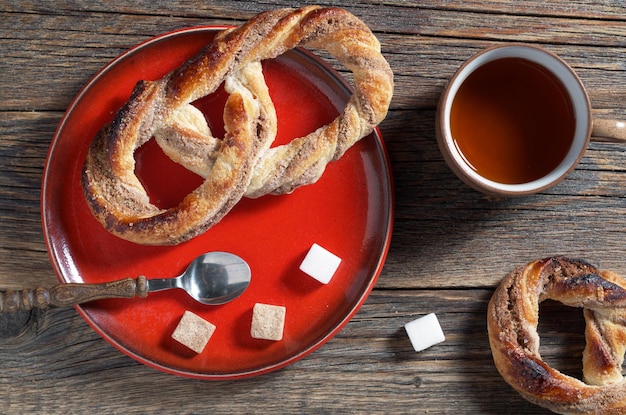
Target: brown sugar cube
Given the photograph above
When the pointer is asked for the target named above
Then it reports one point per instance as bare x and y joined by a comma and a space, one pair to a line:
193, 331
268, 321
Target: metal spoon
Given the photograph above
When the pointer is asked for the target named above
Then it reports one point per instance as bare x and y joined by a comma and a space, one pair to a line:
213, 278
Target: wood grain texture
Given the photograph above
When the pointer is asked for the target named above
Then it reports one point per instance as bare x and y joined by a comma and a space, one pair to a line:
450, 247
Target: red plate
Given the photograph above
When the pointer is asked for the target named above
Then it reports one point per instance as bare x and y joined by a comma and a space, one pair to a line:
348, 211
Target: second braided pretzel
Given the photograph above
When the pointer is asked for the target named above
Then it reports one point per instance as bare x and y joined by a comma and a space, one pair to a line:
513, 314
242, 163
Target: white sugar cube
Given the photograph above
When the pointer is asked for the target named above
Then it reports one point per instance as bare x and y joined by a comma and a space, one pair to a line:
320, 264
424, 332
193, 331
268, 321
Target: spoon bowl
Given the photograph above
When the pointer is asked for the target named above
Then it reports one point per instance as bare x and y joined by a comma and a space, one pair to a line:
213, 278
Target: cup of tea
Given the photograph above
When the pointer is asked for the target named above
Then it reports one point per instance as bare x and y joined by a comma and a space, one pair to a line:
513, 120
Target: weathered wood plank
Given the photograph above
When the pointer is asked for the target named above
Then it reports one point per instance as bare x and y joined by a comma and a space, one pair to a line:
440, 40
370, 364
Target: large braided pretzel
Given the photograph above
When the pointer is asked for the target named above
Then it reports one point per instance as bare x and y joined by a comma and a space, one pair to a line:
243, 163
512, 324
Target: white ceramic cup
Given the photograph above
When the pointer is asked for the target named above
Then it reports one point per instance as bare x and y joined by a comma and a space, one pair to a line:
579, 102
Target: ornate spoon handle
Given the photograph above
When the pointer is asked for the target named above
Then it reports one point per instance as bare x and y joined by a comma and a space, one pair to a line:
71, 294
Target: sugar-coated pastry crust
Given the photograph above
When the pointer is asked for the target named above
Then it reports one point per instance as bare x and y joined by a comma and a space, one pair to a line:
241, 163
513, 315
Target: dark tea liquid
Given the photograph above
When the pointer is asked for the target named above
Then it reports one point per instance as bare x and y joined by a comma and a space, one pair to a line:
512, 120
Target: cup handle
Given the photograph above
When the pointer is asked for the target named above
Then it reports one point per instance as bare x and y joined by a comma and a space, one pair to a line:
609, 130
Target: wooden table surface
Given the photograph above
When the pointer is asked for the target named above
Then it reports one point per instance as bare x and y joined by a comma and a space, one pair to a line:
450, 247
